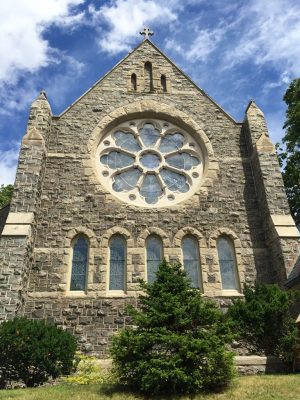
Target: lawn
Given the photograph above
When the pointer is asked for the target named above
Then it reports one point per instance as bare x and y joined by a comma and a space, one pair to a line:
265, 387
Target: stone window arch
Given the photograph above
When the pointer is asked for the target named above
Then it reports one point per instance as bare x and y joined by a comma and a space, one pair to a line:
148, 109
227, 263
105, 244
239, 267
117, 263
148, 73
154, 256
133, 82
79, 264
191, 260
71, 238
150, 162
163, 83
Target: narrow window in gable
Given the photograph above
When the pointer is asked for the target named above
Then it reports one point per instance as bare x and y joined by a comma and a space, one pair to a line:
154, 250
79, 263
133, 82
227, 262
191, 260
163, 83
148, 77
117, 263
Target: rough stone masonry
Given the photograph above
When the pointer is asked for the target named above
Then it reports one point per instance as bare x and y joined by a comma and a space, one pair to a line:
59, 195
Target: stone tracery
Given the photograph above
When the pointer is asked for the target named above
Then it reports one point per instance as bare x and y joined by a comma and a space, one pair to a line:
150, 163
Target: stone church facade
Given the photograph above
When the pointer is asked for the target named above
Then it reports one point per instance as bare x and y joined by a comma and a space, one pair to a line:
142, 166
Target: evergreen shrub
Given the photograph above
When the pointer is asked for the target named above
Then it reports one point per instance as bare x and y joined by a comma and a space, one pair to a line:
264, 319
178, 342
33, 351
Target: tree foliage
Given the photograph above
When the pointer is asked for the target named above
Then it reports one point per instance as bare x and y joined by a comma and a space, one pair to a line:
33, 351
5, 194
178, 342
289, 153
265, 321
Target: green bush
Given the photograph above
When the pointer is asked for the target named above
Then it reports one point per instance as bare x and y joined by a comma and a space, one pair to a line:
265, 321
32, 352
178, 342
88, 371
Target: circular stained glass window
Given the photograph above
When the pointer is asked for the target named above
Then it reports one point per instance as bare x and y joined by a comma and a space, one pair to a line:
150, 163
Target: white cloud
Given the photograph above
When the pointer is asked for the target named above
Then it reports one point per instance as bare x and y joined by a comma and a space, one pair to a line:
257, 32
271, 34
14, 100
171, 44
22, 24
8, 164
125, 18
205, 43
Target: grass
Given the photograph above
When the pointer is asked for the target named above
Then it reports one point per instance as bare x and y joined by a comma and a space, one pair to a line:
265, 387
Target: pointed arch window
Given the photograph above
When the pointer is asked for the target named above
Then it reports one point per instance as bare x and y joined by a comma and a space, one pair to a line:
191, 260
148, 77
117, 263
163, 83
154, 250
80, 258
227, 262
133, 82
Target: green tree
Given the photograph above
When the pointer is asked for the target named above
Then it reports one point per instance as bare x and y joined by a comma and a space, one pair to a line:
265, 321
5, 194
178, 342
289, 153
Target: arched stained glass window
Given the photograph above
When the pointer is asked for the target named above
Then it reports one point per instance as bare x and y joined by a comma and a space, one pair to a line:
154, 249
227, 262
79, 263
117, 263
191, 260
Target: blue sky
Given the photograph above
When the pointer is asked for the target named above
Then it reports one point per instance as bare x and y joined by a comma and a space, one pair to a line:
235, 50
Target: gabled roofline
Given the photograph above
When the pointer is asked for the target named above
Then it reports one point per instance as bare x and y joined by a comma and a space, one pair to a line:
99, 80
169, 60
250, 104
192, 82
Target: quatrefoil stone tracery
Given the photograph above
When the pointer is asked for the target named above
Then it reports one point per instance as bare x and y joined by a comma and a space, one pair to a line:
150, 163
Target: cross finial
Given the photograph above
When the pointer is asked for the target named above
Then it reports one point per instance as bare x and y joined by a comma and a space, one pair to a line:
146, 33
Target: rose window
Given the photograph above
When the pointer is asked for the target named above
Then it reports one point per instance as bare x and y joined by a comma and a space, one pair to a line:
150, 163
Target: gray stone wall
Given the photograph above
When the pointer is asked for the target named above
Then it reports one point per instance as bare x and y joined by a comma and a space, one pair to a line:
71, 200
3, 216
281, 235
18, 236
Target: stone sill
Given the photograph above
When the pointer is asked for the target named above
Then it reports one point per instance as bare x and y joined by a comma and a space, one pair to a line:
76, 294
231, 293
116, 294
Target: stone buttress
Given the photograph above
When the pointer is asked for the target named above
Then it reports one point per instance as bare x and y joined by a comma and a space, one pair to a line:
281, 234
18, 236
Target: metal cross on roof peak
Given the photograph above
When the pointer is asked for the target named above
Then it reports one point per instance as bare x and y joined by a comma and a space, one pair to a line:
146, 33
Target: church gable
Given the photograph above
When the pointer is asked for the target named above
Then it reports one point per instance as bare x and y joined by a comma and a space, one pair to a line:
146, 70
144, 166
145, 74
